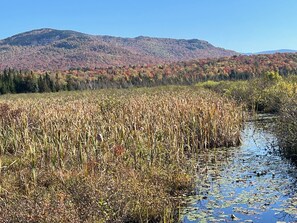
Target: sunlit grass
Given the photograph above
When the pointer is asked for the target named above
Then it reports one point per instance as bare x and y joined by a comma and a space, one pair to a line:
271, 94
109, 155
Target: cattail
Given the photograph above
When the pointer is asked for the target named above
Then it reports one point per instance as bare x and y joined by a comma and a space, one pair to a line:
118, 150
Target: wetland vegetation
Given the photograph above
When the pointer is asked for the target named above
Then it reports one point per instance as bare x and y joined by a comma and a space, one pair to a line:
255, 182
142, 119
271, 93
136, 155
249, 183
109, 155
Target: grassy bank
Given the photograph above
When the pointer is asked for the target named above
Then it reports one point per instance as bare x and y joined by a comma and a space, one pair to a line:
287, 128
109, 155
265, 94
270, 94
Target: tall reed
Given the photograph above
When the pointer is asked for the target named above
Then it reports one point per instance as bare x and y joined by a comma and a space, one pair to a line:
287, 128
109, 155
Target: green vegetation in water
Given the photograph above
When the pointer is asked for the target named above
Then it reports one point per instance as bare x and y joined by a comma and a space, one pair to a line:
109, 155
246, 184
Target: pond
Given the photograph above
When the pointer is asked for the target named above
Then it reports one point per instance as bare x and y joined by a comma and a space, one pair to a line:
250, 183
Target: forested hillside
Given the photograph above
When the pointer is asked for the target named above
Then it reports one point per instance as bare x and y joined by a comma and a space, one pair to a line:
49, 49
236, 67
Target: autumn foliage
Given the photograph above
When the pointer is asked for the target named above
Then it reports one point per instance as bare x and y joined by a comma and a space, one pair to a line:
182, 73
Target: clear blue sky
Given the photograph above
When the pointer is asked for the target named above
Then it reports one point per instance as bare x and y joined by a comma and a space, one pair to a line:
241, 25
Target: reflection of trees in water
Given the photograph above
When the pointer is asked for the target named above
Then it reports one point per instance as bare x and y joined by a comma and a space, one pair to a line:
269, 123
289, 153
282, 216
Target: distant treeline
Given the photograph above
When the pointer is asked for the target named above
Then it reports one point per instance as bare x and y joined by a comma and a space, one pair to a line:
182, 73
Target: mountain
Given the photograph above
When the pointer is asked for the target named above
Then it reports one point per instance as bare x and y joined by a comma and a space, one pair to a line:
272, 52
50, 49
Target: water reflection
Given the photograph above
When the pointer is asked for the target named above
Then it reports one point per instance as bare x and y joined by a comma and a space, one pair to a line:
251, 183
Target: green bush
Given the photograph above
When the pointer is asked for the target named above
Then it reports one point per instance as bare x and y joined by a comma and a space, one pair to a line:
264, 94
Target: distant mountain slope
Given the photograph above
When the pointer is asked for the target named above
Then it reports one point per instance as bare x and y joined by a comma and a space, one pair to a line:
273, 52
49, 49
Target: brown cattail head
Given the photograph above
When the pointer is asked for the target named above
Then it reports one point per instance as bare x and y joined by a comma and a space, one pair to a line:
118, 150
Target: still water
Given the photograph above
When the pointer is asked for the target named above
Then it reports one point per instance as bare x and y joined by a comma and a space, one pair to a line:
251, 183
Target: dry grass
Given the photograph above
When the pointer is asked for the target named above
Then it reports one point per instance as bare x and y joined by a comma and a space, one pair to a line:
287, 128
107, 156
